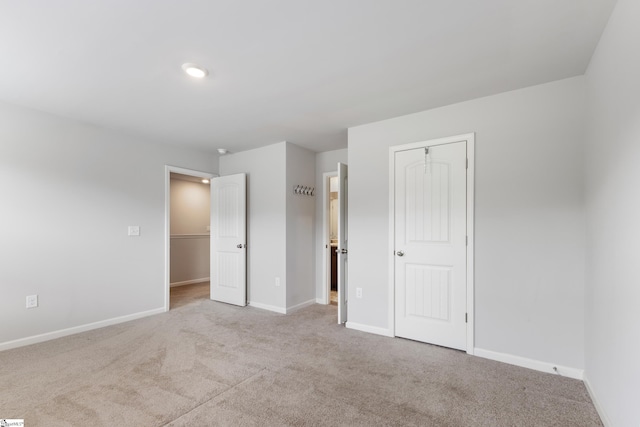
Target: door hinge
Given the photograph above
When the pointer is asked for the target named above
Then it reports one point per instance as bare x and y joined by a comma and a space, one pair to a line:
467, 163
466, 240
466, 318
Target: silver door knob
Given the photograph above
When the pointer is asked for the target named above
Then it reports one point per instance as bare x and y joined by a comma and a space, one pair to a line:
239, 246
341, 251
400, 253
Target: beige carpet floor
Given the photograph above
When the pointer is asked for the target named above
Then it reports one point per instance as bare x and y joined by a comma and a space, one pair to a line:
210, 364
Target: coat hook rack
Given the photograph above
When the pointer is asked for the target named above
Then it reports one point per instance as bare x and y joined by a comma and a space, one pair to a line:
302, 190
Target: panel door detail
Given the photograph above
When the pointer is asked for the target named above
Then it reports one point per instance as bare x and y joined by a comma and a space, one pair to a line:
228, 239
430, 244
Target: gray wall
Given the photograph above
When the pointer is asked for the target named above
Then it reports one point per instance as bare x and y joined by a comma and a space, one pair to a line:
300, 226
266, 230
529, 217
280, 225
613, 208
69, 192
190, 242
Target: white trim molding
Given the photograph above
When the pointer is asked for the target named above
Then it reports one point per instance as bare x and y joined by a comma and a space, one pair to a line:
603, 415
190, 236
189, 282
370, 329
267, 307
281, 310
536, 365
469, 138
300, 306
77, 329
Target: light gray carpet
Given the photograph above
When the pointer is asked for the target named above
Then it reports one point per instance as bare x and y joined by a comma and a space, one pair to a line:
208, 364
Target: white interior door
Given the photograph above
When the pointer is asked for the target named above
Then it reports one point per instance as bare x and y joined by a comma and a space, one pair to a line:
430, 244
342, 243
229, 239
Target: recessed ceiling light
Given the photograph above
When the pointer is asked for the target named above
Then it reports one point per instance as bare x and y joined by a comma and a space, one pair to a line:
222, 151
205, 181
195, 70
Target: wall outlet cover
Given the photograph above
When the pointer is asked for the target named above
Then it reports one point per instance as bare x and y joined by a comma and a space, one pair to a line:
32, 301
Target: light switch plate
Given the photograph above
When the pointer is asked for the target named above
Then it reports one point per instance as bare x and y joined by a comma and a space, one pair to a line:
134, 230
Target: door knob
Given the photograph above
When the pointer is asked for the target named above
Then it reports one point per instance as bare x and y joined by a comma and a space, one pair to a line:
341, 251
400, 253
239, 246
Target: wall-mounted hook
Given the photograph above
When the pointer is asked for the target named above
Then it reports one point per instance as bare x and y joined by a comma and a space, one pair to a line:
303, 190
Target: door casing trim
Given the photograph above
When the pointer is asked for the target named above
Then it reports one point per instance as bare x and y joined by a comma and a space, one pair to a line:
469, 138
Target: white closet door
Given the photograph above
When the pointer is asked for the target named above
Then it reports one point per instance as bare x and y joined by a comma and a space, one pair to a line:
229, 239
430, 244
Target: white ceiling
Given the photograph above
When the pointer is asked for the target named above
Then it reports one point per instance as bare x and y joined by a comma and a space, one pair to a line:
281, 70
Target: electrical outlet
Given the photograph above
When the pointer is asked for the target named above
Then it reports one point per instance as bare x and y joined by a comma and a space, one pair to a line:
134, 230
358, 292
32, 301
277, 281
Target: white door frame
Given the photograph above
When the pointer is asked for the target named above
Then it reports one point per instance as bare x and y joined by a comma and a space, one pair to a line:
326, 236
470, 139
168, 169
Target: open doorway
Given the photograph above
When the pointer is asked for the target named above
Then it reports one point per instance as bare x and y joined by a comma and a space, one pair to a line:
330, 237
333, 239
187, 243
336, 240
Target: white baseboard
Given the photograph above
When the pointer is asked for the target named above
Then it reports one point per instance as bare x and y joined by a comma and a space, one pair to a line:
280, 310
322, 301
76, 329
370, 329
536, 365
299, 306
189, 282
603, 415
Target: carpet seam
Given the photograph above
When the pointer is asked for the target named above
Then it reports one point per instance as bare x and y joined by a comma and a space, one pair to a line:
217, 395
